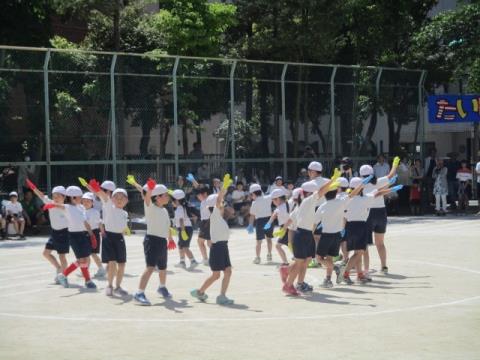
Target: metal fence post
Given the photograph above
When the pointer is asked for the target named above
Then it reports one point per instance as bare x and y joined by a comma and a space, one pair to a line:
421, 119
175, 114
113, 125
47, 119
232, 115
284, 122
332, 112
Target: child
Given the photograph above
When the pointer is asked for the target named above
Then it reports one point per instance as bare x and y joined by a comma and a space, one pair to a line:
342, 193
14, 211
330, 216
80, 236
239, 197
357, 228
114, 251
464, 177
204, 233
260, 212
282, 214
415, 198
58, 240
303, 242
219, 255
184, 229
155, 242
93, 218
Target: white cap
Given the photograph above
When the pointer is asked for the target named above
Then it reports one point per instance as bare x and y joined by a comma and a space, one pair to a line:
354, 182
211, 200
59, 190
159, 189
296, 193
178, 194
88, 196
315, 166
277, 193
13, 193
343, 182
108, 185
255, 187
120, 191
366, 170
310, 186
74, 191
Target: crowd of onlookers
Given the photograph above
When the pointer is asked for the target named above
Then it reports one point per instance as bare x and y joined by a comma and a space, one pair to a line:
436, 184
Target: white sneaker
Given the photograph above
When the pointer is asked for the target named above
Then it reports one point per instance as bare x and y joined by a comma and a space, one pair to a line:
269, 257
109, 291
193, 264
57, 282
181, 264
256, 260
100, 273
205, 262
120, 292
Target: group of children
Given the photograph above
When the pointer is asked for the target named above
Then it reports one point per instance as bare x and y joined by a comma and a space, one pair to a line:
320, 218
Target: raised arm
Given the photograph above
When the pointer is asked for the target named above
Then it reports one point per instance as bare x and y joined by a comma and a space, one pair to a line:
227, 181
393, 170
191, 178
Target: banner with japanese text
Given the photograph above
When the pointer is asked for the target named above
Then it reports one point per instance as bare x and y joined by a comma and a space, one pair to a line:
448, 109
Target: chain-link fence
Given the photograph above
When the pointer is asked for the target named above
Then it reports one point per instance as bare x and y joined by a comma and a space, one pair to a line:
105, 115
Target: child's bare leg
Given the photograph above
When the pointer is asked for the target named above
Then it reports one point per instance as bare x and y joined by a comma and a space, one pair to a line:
269, 245
214, 277
258, 248
63, 261
303, 270
293, 271
120, 272
47, 254
281, 253
111, 271
97, 260
202, 247
227, 274
162, 275
147, 273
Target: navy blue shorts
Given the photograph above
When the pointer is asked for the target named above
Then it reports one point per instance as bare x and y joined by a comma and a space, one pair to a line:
99, 241
317, 231
303, 244
262, 234
283, 240
184, 244
219, 258
156, 252
58, 241
80, 243
204, 232
377, 220
329, 244
356, 233
113, 248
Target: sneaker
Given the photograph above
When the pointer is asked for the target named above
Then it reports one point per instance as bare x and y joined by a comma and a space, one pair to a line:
313, 264
256, 260
290, 290
347, 280
120, 292
304, 287
90, 284
181, 265
109, 291
385, 270
57, 282
340, 273
367, 276
193, 264
22, 237
62, 280
269, 257
100, 273
284, 273
141, 299
223, 300
205, 262
164, 292
327, 284
362, 279
197, 295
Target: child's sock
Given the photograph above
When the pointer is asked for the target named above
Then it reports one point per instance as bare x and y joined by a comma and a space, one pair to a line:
85, 272
71, 268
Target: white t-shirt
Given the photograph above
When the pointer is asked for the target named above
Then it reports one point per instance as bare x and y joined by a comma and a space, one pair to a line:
181, 213
93, 218
238, 196
204, 212
13, 208
306, 212
321, 181
275, 187
477, 170
219, 230
379, 202
293, 217
115, 219
464, 175
58, 218
359, 207
331, 215
282, 214
76, 217
158, 222
261, 207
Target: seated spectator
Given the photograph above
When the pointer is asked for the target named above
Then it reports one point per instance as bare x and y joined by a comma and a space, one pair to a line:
464, 178
278, 184
240, 204
203, 173
302, 177
415, 198
14, 215
34, 215
290, 187
216, 186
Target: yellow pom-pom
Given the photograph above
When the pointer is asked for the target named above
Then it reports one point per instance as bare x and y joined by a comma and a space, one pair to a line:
184, 235
396, 161
83, 182
131, 180
280, 233
127, 231
173, 231
336, 174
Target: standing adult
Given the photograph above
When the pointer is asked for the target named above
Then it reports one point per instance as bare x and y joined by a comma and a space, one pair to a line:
453, 165
417, 176
440, 187
429, 165
381, 168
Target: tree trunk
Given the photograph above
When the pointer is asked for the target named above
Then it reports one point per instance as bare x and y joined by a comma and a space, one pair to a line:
371, 128
264, 120
145, 140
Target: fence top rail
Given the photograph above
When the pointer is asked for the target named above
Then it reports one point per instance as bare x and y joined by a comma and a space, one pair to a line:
231, 60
